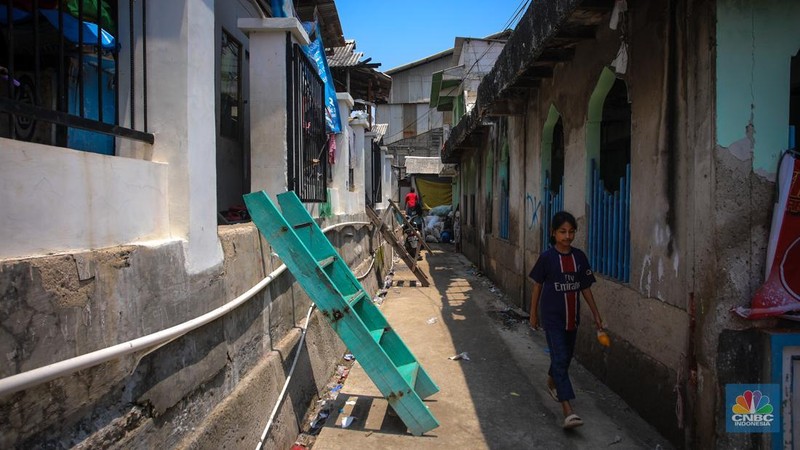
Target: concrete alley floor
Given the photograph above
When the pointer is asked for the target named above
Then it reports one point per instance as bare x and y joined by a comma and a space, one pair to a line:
497, 400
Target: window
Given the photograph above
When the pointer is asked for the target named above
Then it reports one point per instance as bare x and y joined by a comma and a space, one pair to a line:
503, 175
608, 145
230, 87
557, 159
615, 136
377, 173
60, 82
553, 166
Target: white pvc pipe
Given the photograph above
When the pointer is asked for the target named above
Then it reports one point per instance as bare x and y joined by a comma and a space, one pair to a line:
286, 383
25, 380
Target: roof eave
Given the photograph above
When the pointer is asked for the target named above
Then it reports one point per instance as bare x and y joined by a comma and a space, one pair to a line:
540, 24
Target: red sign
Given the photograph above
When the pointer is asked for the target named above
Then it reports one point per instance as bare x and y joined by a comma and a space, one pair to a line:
780, 293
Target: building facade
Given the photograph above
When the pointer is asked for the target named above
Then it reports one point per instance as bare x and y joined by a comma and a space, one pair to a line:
655, 125
127, 315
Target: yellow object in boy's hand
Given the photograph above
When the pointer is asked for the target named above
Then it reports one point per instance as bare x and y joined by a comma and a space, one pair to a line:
603, 338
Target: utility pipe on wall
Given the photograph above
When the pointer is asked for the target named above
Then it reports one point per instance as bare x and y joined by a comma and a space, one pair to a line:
25, 380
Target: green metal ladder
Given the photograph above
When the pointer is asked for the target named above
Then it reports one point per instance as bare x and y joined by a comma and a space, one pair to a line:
330, 283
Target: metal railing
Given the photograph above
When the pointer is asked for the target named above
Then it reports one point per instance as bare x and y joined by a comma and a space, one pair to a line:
505, 212
60, 72
305, 134
609, 227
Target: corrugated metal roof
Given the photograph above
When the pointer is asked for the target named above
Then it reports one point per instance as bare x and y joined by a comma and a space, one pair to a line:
418, 62
345, 56
380, 130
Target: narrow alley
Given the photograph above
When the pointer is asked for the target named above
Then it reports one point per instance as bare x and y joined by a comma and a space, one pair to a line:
202, 199
497, 399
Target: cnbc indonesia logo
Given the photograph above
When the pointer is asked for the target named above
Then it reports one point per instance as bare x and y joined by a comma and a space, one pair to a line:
750, 409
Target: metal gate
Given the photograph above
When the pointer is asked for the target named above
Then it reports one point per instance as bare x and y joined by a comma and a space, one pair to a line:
305, 134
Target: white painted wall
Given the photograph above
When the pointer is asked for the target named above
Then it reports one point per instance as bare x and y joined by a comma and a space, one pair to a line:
389, 182
59, 200
99, 201
339, 171
478, 56
268, 114
357, 200
181, 110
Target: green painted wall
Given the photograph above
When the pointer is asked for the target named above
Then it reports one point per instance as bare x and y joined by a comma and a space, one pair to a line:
593, 121
755, 43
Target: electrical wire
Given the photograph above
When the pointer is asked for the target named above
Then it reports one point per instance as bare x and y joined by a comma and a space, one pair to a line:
517, 14
369, 269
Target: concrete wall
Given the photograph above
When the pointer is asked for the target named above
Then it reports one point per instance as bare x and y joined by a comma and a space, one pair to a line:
182, 116
268, 143
215, 385
349, 198
755, 44
60, 200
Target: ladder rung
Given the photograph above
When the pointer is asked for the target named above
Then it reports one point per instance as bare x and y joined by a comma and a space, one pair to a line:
409, 372
377, 334
352, 299
327, 261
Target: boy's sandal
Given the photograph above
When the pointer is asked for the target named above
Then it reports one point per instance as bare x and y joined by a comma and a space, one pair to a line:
572, 421
553, 393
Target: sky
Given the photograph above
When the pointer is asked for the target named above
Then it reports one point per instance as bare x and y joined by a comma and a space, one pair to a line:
395, 32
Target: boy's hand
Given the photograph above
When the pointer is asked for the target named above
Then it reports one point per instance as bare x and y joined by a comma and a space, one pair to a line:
598, 322
534, 321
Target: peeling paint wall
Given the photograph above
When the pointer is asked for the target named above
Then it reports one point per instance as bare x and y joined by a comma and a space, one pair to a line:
58, 307
669, 85
755, 44
708, 84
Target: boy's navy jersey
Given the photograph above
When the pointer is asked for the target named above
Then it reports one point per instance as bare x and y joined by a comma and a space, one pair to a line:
563, 277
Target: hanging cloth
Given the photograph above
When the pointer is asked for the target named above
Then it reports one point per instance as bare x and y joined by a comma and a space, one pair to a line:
331, 148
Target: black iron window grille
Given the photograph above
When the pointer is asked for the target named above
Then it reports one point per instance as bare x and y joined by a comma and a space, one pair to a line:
60, 72
306, 135
230, 87
377, 174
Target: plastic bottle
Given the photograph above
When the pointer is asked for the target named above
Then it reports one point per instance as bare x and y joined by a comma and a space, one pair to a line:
603, 338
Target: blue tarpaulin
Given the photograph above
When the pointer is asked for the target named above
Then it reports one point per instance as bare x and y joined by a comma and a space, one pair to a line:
70, 23
71, 29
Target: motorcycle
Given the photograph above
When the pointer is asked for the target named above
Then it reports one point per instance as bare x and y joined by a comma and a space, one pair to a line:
412, 233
